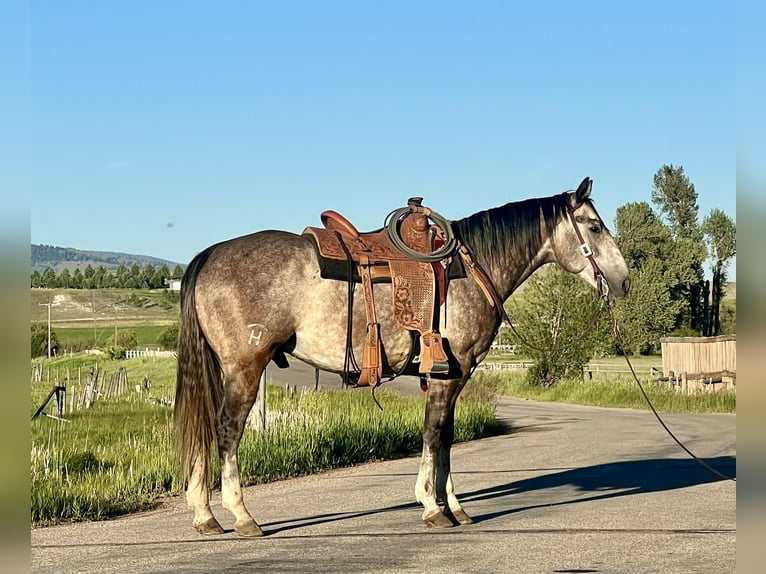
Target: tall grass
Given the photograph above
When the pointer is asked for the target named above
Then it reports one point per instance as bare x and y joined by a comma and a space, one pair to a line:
617, 391
118, 456
331, 429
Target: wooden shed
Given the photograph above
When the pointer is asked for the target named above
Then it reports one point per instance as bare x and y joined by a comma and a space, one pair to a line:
700, 363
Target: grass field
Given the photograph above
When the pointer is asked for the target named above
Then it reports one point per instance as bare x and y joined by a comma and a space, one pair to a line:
118, 455
146, 334
84, 307
83, 318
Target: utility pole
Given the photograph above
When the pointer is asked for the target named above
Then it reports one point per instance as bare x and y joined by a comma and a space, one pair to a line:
48, 304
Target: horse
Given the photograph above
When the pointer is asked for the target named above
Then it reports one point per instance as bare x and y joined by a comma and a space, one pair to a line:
249, 300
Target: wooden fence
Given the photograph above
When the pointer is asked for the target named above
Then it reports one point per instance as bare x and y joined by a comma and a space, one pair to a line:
136, 353
81, 393
700, 363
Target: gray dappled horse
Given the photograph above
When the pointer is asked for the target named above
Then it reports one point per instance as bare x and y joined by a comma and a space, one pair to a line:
251, 299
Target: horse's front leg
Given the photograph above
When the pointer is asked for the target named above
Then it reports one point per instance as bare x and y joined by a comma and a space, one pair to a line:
240, 391
454, 505
434, 486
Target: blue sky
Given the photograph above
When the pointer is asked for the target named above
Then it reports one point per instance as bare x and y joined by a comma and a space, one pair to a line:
159, 128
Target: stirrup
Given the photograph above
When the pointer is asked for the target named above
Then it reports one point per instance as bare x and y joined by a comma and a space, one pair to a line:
433, 359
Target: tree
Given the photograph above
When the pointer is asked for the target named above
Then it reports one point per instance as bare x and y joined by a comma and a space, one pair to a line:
126, 338
88, 277
147, 276
168, 339
133, 278
39, 340
561, 325
65, 279
648, 312
675, 197
48, 279
652, 308
641, 235
158, 277
721, 236
121, 276
78, 281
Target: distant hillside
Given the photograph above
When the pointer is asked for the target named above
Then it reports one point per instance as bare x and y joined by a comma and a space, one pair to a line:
60, 258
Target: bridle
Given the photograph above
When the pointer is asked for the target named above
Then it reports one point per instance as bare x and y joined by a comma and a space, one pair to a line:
602, 286
603, 292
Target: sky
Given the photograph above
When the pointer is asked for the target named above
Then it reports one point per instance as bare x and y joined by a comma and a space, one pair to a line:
160, 128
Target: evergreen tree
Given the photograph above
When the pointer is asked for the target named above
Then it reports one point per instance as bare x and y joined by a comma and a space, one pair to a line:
65, 279
48, 279
675, 197
78, 281
721, 235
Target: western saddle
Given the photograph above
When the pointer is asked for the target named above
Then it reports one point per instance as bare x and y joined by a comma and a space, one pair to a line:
419, 285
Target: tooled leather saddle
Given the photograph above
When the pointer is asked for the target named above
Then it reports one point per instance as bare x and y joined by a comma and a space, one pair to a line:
419, 286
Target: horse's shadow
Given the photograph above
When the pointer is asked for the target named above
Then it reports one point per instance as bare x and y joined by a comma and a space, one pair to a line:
599, 482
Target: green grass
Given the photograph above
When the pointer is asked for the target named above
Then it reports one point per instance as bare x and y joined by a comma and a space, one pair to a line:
617, 391
112, 459
118, 456
146, 334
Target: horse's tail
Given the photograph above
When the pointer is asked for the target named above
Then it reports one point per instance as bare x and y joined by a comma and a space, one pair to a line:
199, 383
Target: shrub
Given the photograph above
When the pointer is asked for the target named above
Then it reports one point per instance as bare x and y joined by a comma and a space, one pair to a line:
126, 339
114, 352
563, 325
168, 339
39, 340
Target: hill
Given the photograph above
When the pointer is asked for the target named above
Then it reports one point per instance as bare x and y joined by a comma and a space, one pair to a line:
87, 307
60, 258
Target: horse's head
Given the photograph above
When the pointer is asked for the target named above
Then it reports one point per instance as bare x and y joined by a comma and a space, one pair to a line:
584, 246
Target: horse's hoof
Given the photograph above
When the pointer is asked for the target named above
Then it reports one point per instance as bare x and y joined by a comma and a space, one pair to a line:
437, 519
248, 528
462, 517
210, 526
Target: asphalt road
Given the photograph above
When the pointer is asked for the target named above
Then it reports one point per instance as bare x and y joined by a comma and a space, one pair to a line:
568, 490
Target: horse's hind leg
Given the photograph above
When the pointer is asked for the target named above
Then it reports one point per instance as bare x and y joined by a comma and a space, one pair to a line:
198, 498
240, 390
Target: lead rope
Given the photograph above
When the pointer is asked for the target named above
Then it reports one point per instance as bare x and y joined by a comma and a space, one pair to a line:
616, 330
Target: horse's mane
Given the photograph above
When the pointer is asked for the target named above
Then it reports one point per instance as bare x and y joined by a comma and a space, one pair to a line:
514, 231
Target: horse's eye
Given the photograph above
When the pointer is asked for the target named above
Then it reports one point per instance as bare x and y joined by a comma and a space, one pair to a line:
595, 228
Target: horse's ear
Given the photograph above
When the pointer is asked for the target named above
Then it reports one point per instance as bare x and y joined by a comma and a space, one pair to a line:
583, 191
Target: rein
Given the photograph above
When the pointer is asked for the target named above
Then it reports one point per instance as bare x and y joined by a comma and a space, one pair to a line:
603, 293
616, 330
490, 292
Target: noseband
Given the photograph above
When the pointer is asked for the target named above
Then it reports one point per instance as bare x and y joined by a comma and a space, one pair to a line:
601, 284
